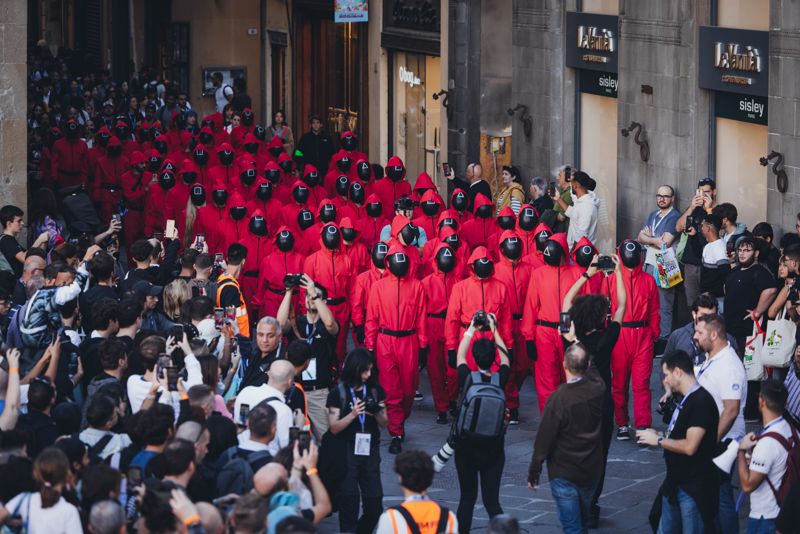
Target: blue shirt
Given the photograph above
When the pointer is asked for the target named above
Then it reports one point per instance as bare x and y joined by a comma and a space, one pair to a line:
386, 235
658, 225
792, 384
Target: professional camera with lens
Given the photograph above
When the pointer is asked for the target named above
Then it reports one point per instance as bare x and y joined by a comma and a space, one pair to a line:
667, 408
481, 320
605, 263
371, 405
292, 280
441, 458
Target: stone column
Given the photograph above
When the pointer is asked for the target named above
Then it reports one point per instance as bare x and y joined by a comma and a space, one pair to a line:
13, 103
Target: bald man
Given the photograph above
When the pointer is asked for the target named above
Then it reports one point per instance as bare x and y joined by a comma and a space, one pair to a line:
280, 378
33, 266
474, 183
268, 478
210, 518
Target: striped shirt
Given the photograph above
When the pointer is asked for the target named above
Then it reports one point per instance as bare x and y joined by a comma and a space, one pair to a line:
792, 384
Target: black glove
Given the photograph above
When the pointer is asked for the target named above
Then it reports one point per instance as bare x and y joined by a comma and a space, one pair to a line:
451, 358
530, 348
359, 330
423, 358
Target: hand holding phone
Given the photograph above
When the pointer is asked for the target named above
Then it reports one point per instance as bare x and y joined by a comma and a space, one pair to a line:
564, 322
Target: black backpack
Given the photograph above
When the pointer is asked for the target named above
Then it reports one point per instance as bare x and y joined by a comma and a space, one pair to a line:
236, 474
483, 409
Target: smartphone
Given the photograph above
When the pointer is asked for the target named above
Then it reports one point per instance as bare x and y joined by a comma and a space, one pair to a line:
117, 218
303, 441
218, 257
170, 230
199, 241
134, 476
244, 410
446, 169
551, 189
164, 362
699, 192
564, 322
230, 313
176, 332
219, 317
567, 173
689, 222
172, 378
294, 432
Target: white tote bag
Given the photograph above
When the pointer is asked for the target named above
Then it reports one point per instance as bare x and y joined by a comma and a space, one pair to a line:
779, 342
753, 345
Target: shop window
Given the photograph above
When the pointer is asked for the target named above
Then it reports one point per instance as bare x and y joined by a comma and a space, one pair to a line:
179, 53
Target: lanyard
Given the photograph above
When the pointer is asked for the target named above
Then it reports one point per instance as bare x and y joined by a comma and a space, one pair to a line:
678, 409
310, 331
704, 367
574, 379
658, 220
772, 423
361, 418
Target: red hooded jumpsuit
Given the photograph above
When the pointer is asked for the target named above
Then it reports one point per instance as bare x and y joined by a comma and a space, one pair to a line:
368, 227
425, 222
109, 187
356, 251
360, 294
134, 192
70, 162
258, 247
275, 265
395, 330
389, 191
476, 232
398, 223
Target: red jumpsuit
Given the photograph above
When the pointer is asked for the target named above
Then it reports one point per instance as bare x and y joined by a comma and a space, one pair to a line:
134, 191
228, 175
389, 191
516, 276
156, 214
398, 223
275, 265
356, 251
473, 294
290, 210
210, 221
476, 232
270, 208
258, 247
426, 222
329, 182
422, 185
460, 216
548, 287
333, 270
596, 285
370, 227
233, 231
360, 294
444, 379
632, 357
429, 254
109, 187
533, 256
280, 191
239, 133
395, 330
70, 162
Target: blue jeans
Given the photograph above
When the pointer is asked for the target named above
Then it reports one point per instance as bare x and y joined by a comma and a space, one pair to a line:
760, 526
573, 503
680, 518
728, 518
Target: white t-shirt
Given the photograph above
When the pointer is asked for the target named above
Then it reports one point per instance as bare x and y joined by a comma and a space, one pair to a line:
723, 376
715, 253
61, 517
252, 395
220, 95
769, 457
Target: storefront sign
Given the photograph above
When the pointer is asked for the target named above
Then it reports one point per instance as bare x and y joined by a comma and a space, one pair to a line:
407, 76
734, 60
350, 11
592, 41
745, 108
599, 83
412, 26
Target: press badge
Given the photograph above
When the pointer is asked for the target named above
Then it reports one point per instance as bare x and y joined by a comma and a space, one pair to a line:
363, 442
310, 374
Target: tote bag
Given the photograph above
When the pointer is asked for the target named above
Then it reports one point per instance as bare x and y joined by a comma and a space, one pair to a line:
668, 272
779, 342
753, 348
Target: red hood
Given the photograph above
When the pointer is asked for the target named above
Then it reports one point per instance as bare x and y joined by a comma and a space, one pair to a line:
373, 199
628, 273
424, 182
104, 130
185, 136
326, 225
309, 169
347, 133
119, 124
583, 242
136, 158
271, 166
542, 227
206, 130
218, 120
283, 228
246, 164
324, 202
275, 142
395, 161
446, 232
346, 222
561, 239
153, 153
481, 200
257, 213
398, 223
114, 141
477, 254
507, 212
224, 146
284, 157
456, 191
250, 139
371, 172
507, 234
236, 200
189, 166
298, 183
432, 195
342, 153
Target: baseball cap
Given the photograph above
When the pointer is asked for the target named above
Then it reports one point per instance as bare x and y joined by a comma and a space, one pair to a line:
143, 287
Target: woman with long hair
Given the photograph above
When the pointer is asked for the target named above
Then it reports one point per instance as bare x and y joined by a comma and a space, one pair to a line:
512, 193
176, 293
281, 129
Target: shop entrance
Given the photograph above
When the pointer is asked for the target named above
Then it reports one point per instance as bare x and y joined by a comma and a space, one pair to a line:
741, 180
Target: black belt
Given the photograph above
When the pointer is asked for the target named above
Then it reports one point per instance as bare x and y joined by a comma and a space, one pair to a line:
251, 274
635, 324
548, 324
276, 291
397, 333
337, 301
440, 315
69, 173
517, 316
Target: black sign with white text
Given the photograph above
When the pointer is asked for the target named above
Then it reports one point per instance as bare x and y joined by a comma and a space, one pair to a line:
745, 108
592, 41
599, 83
736, 61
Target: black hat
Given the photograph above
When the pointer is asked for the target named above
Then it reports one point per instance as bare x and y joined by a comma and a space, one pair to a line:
145, 288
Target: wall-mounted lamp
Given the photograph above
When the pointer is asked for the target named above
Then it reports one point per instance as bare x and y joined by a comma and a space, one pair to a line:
524, 117
644, 146
777, 169
445, 102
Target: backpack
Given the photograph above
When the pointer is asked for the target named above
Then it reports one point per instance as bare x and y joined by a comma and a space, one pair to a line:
412, 524
14, 332
236, 474
792, 474
96, 449
483, 410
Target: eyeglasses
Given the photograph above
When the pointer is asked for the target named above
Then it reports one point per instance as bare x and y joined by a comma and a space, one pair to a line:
706, 181
663, 196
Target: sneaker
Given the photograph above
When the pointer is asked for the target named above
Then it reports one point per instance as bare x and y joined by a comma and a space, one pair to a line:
441, 418
513, 416
623, 433
418, 396
395, 447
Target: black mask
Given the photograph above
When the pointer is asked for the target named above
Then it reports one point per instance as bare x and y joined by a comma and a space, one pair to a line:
484, 212
445, 260
459, 202
169, 166
429, 208
251, 147
208, 123
300, 194
363, 171
161, 146
273, 175
511, 248
409, 233
219, 197
327, 213
483, 268
584, 256
305, 219
356, 193
506, 222
285, 241
453, 241
189, 177
311, 178
276, 151
349, 234
552, 253
630, 254
344, 164
331, 237
528, 219
286, 165
349, 143
103, 138
238, 212
258, 226
541, 240
260, 132
72, 130
167, 180
121, 131
153, 164
248, 177
247, 118
206, 138
395, 173
374, 209
200, 157
379, 251
264, 191
342, 184
398, 264
198, 195
114, 150
226, 157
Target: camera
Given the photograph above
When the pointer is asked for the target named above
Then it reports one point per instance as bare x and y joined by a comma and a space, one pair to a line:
667, 408
291, 281
371, 405
605, 263
689, 222
481, 321
441, 458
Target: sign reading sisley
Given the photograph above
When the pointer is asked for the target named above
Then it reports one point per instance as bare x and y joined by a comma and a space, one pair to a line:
592, 41
745, 108
599, 83
734, 60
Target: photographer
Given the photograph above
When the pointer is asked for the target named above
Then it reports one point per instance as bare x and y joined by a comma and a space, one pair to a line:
484, 457
788, 275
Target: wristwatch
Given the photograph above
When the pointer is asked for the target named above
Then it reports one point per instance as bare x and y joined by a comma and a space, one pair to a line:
586, 275
660, 439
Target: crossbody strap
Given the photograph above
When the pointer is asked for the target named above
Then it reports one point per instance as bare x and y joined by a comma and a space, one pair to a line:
412, 525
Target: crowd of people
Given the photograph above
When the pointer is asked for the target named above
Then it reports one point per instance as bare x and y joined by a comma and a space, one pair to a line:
214, 325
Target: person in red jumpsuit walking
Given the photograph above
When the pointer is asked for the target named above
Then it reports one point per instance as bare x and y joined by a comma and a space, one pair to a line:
331, 268
526, 228
157, 203
289, 211
362, 287
134, 191
395, 186
476, 232
110, 169
355, 249
70, 158
438, 287
374, 220
516, 275
459, 204
396, 331
548, 286
506, 221
212, 218
429, 207
259, 244
225, 171
312, 179
283, 259
263, 199
583, 253
404, 233
342, 166
280, 191
339, 197
632, 357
